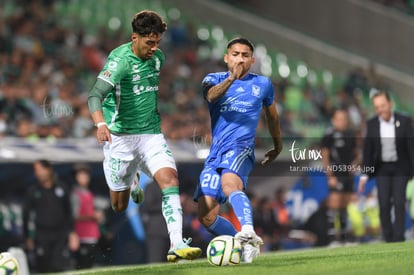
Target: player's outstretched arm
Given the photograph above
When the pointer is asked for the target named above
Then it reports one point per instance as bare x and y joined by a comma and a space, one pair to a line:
96, 95
273, 125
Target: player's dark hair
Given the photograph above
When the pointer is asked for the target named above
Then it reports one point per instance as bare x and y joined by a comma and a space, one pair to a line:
375, 93
339, 109
45, 163
241, 40
148, 22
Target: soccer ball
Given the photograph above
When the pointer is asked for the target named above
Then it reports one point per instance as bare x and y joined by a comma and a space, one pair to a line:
8, 264
224, 250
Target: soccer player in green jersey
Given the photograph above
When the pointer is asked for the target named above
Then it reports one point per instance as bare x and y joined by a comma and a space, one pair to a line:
123, 106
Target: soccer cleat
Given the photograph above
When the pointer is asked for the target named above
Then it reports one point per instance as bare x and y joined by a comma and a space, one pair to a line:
249, 253
183, 251
137, 194
250, 245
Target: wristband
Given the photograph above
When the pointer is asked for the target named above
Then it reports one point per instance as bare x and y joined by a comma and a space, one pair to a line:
99, 124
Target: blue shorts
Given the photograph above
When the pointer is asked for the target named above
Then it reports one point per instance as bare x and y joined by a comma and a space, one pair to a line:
240, 161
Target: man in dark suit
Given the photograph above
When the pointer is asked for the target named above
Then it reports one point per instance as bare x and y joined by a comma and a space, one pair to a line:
388, 155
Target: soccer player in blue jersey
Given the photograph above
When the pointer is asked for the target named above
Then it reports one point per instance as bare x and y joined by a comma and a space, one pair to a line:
235, 101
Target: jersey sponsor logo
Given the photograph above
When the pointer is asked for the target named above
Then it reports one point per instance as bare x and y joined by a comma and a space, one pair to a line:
255, 90
234, 105
144, 89
112, 65
232, 109
235, 101
240, 90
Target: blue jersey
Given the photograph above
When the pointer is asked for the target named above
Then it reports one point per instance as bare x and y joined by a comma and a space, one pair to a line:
234, 116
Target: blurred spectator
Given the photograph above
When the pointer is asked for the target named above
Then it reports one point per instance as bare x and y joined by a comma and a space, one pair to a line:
48, 222
281, 214
13, 107
26, 129
388, 155
3, 124
87, 217
267, 223
82, 124
339, 155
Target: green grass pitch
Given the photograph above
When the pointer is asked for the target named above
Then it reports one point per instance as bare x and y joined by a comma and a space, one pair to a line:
379, 258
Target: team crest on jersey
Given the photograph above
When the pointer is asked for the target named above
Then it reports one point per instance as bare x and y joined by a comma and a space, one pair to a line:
255, 90
107, 74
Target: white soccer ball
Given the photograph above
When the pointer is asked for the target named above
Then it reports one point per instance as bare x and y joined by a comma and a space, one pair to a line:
224, 250
8, 264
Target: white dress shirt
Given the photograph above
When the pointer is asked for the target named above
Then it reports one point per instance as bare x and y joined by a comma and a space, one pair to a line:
387, 135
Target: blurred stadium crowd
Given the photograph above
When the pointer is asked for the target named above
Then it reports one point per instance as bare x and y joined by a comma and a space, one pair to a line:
47, 67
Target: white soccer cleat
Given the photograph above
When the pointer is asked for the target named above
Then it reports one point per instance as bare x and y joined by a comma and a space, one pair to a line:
251, 245
249, 253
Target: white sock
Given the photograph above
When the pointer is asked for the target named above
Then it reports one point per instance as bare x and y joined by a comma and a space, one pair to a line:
247, 227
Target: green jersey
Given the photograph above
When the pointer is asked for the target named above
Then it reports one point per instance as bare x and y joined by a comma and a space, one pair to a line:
131, 107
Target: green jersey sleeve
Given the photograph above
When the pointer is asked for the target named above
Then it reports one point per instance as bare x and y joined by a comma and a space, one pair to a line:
97, 94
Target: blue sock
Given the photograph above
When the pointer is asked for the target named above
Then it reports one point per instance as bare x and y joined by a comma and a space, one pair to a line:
222, 226
242, 207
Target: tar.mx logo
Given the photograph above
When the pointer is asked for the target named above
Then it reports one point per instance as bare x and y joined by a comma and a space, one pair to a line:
304, 154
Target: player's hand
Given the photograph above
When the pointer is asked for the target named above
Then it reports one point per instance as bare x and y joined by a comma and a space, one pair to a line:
103, 134
73, 241
271, 155
236, 71
30, 244
332, 181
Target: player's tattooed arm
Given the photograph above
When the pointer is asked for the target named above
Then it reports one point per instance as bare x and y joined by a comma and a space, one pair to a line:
217, 91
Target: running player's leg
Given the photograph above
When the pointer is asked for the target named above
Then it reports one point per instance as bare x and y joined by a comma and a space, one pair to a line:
209, 196
119, 168
159, 162
236, 166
